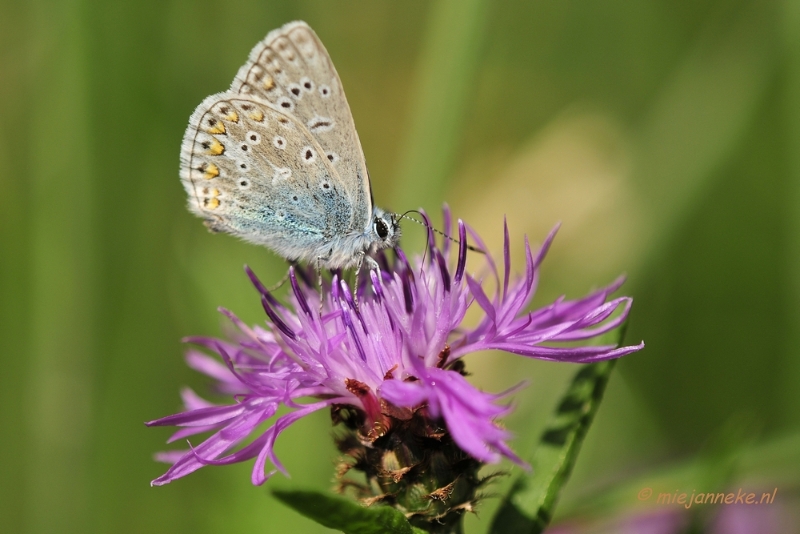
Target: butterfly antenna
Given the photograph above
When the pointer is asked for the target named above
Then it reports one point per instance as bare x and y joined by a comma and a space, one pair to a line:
427, 234
453, 239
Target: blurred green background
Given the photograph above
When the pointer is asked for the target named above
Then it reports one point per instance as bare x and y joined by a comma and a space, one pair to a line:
664, 134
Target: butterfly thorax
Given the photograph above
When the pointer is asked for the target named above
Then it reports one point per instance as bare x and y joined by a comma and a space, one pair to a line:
349, 251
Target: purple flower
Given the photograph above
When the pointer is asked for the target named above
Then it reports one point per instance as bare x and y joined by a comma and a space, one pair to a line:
394, 353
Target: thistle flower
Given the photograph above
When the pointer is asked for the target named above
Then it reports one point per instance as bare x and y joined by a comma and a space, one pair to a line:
389, 367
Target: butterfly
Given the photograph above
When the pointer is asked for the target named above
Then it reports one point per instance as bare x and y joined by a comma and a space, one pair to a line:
276, 160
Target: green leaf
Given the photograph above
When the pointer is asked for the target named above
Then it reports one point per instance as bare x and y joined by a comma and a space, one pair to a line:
345, 515
529, 505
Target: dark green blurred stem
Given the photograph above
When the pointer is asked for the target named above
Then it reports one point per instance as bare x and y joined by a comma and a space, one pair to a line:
59, 390
791, 353
702, 112
15, 276
444, 82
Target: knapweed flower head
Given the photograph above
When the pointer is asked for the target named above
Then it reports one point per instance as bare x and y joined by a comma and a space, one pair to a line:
388, 365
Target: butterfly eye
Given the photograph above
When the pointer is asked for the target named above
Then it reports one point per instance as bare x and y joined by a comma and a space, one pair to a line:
381, 229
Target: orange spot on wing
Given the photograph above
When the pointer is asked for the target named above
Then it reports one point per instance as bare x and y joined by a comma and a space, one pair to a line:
212, 171
216, 148
217, 128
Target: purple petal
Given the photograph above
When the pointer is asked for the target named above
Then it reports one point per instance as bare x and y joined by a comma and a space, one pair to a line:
201, 417
224, 439
276, 320
299, 295
462, 252
483, 301
506, 258
281, 424
403, 394
467, 412
447, 224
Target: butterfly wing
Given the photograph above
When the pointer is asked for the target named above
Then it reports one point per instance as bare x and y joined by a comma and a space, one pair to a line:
252, 169
292, 70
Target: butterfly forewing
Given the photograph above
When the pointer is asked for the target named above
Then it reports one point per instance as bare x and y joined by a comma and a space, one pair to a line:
237, 149
292, 70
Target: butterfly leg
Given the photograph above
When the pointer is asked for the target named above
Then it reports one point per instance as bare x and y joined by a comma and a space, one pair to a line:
318, 266
274, 287
371, 265
279, 284
359, 264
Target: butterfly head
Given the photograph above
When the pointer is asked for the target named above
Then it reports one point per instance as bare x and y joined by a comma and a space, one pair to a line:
385, 229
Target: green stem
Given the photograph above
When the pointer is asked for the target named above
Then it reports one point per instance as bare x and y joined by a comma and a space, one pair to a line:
530, 503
